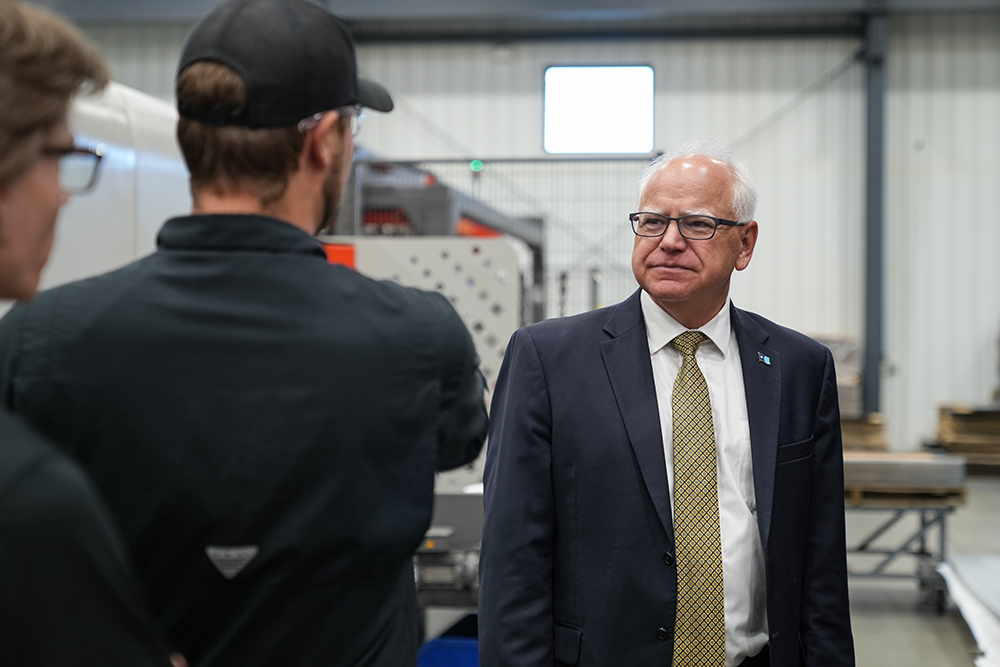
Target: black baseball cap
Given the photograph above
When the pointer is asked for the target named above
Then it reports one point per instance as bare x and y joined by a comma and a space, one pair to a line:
296, 58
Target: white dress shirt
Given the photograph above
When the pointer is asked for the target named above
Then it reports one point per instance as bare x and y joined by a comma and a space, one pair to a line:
743, 573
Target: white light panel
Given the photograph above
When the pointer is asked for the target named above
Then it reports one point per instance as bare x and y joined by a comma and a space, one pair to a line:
598, 110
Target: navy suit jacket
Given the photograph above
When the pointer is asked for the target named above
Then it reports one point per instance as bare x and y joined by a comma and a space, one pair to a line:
577, 561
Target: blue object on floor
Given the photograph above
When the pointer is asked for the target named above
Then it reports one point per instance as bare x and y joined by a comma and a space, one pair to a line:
449, 652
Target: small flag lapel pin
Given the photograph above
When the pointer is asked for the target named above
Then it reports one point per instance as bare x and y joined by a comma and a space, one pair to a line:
763, 359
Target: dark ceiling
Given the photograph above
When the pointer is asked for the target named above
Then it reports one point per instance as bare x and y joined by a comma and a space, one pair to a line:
387, 20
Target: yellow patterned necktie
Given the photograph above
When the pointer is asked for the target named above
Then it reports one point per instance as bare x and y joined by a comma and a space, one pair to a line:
699, 629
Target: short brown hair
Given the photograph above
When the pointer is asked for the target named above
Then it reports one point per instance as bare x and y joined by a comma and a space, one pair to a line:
43, 62
229, 159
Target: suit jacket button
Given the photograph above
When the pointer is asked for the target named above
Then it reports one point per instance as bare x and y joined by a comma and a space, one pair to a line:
668, 558
662, 634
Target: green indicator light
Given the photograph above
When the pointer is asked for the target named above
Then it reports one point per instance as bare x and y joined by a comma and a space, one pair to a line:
476, 165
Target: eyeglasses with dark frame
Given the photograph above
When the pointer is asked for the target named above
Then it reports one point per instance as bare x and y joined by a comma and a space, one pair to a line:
356, 112
696, 227
77, 166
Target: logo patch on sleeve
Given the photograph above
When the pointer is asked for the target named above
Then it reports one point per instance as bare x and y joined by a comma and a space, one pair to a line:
230, 561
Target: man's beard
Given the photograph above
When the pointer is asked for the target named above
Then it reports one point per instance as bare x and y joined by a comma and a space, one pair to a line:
333, 197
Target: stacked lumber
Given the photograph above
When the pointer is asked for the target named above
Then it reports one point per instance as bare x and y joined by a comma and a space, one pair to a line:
972, 432
847, 361
918, 479
865, 434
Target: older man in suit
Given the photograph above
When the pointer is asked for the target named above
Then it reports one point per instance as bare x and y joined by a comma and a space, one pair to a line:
664, 482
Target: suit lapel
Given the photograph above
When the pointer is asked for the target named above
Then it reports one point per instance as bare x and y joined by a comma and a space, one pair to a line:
762, 382
626, 358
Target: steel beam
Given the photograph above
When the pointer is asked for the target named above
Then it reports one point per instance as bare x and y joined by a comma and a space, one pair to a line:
876, 47
538, 11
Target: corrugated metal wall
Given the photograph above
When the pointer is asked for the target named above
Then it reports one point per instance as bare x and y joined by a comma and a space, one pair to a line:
143, 57
795, 109
943, 224
803, 142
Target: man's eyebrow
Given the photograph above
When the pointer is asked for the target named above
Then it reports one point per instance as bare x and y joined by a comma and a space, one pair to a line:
698, 211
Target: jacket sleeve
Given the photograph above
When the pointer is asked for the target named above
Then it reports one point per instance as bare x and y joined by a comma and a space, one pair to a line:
462, 419
516, 563
826, 623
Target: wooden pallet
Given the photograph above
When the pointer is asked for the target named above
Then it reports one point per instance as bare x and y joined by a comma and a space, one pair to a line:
981, 464
959, 423
972, 442
870, 495
866, 434
973, 433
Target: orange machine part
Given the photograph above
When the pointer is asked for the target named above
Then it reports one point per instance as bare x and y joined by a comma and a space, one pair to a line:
468, 227
340, 253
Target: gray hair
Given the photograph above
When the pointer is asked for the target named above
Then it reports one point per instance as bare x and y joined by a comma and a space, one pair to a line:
744, 190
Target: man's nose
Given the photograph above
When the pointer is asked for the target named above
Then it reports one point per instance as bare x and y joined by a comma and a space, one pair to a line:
672, 239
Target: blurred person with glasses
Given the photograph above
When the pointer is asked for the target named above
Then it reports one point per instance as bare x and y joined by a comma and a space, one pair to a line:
664, 480
265, 426
78, 166
67, 595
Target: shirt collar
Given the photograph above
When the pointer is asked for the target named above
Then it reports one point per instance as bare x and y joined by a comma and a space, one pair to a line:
236, 232
661, 328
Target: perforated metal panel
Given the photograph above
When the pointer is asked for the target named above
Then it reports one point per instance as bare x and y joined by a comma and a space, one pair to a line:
479, 277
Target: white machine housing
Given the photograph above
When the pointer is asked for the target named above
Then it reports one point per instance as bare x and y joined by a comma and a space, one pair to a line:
142, 182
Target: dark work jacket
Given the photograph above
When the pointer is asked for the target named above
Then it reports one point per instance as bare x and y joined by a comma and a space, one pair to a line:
265, 427
66, 594
578, 564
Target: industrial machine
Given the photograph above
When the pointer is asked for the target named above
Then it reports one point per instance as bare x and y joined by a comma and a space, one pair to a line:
393, 199
142, 182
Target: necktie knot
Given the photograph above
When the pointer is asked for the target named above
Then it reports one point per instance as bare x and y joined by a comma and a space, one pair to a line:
688, 342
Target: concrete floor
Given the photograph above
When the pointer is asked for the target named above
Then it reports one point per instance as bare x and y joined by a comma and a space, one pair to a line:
893, 623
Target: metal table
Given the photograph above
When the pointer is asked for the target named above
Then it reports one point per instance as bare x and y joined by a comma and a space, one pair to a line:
926, 542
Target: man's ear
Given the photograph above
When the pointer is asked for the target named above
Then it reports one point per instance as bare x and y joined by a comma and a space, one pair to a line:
325, 141
748, 240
